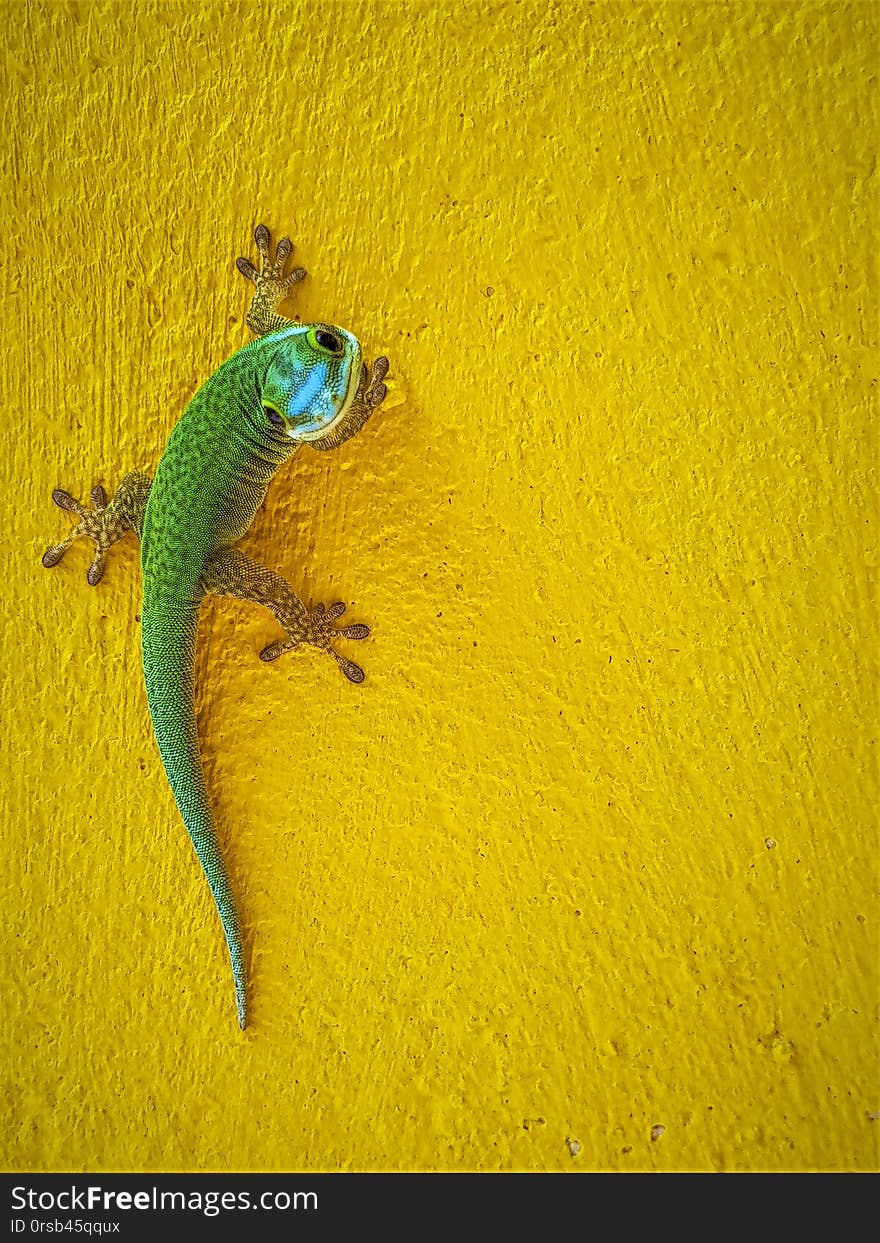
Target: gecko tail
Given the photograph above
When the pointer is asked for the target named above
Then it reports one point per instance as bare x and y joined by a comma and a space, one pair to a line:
204, 839
240, 990
240, 997
208, 851
168, 646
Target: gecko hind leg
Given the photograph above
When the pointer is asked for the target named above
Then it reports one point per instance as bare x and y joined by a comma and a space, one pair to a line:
105, 523
230, 572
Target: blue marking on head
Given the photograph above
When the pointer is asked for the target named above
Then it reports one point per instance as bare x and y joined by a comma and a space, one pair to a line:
311, 390
311, 380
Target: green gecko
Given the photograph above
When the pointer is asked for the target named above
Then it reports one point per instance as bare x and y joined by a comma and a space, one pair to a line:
295, 384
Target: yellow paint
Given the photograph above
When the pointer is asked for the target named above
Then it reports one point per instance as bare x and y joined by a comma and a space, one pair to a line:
591, 856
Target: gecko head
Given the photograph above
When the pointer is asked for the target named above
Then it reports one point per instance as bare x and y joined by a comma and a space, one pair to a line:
311, 382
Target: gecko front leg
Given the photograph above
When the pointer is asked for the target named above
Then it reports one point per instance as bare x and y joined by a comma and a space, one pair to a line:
104, 524
230, 572
271, 286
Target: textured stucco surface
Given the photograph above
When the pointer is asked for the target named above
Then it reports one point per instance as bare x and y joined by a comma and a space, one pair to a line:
591, 856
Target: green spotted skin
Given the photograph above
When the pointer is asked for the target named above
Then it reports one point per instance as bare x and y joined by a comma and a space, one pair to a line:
297, 384
208, 487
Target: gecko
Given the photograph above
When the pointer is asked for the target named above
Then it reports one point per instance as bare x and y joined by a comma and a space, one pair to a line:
295, 384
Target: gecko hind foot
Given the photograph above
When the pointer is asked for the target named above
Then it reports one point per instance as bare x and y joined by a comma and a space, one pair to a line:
104, 523
91, 525
321, 630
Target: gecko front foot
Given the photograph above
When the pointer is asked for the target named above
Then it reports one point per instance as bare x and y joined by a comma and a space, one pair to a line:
104, 524
271, 286
319, 629
373, 390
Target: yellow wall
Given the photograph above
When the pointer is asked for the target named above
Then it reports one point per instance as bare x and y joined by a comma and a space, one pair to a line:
592, 850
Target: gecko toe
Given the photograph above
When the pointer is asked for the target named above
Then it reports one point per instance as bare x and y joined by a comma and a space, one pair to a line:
65, 501
273, 650
353, 672
297, 275
357, 631
282, 250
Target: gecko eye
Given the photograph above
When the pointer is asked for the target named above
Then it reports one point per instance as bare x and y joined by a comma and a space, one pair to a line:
327, 341
274, 418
